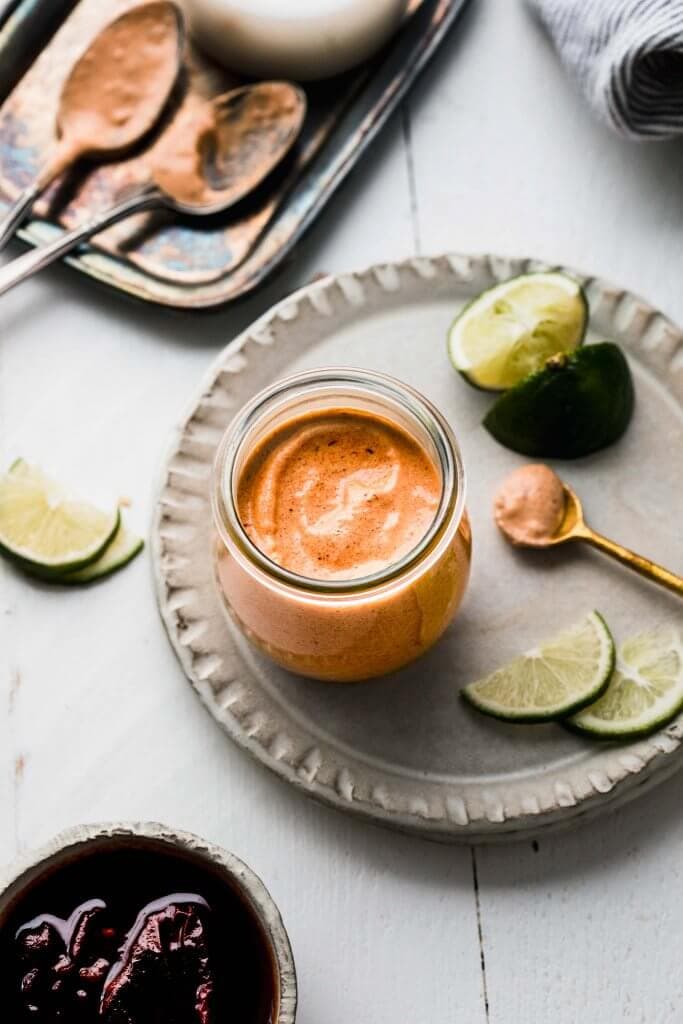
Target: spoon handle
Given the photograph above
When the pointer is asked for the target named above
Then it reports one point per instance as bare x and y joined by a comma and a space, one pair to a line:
16, 211
641, 565
65, 152
36, 259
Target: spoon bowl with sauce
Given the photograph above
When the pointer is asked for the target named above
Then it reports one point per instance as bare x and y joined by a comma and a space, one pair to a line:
113, 96
535, 508
212, 155
215, 154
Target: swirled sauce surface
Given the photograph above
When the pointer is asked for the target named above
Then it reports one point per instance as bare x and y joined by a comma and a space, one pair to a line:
337, 494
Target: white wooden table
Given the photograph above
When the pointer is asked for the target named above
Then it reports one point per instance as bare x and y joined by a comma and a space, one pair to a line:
494, 151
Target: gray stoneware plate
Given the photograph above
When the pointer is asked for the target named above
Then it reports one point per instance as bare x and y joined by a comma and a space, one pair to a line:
405, 751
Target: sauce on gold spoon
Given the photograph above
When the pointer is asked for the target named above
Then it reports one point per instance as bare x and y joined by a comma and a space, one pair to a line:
534, 508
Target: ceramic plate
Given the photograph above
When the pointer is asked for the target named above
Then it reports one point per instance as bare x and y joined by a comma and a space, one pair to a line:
405, 750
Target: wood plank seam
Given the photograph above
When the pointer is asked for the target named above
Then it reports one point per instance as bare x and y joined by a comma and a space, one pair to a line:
480, 932
412, 181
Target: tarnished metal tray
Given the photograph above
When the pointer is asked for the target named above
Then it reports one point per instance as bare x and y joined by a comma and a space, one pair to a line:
193, 264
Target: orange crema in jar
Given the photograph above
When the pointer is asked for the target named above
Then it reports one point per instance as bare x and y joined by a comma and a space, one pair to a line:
337, 494
344, 545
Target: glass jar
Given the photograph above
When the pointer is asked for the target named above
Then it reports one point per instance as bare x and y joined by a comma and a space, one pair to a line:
343, 630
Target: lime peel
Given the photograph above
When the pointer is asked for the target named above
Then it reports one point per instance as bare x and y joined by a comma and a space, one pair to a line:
46, 531
644, 694
122, 550
554, 679
512, 329
575, 405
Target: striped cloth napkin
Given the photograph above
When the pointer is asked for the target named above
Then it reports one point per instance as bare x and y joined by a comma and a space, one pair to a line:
627, 57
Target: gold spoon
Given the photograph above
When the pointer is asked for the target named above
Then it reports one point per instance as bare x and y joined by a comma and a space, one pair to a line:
520, 515
210, 157
114, 95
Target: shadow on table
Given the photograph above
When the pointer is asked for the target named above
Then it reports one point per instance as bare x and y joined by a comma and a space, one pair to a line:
639, 829
581, 850
430, 864
212, 329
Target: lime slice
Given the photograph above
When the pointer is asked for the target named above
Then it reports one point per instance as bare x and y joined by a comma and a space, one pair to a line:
550, 681
576, 405
645, 692
122, 550
45, 530
509, 331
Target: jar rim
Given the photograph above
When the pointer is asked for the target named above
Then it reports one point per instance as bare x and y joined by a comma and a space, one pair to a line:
451, 503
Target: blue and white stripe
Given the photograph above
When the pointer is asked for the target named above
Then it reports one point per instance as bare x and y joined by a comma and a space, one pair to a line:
627, 56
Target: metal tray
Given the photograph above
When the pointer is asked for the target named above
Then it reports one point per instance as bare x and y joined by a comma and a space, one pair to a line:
190, 264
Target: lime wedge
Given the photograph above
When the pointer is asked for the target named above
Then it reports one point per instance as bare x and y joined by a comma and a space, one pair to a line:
645, 692
576, 405
552, 680
510, 330
122, 550
45, 530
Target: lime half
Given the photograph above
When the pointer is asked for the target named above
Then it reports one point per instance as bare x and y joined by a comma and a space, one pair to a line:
122, 550
577, 404
645, 692
44, 529
510, 330
552, 680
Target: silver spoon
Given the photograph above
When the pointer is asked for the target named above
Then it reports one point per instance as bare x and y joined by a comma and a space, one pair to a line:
210, 158
114, 95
